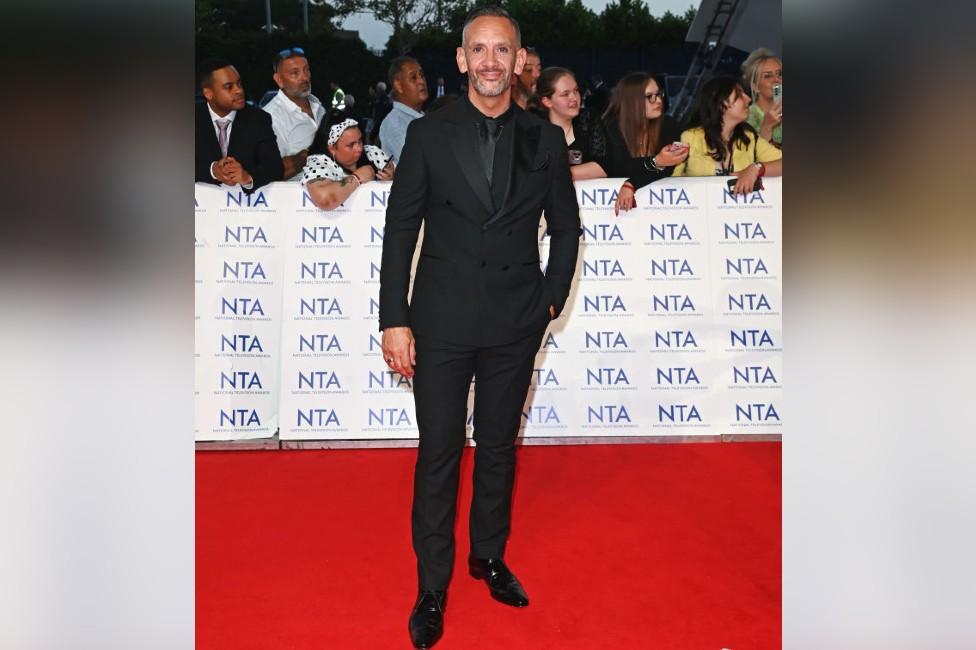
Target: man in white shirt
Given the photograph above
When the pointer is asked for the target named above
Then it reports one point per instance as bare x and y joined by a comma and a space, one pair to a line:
410, 93
295, 112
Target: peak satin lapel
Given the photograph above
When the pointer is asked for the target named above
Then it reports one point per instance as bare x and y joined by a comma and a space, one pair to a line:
526, 147
465, 149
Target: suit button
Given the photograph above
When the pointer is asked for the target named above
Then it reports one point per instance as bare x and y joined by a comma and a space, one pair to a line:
509, 233
505, 268
484, 228
484, 263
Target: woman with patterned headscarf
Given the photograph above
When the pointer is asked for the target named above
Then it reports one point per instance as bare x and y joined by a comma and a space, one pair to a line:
339, 163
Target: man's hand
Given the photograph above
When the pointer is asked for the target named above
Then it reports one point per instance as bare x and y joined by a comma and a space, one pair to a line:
220, 172
399, 350
237, 174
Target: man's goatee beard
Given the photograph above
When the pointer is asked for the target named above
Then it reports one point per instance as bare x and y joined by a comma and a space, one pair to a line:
490, 91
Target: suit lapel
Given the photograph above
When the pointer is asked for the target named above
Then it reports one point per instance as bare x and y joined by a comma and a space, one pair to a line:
208, 135
525, 149
465, 149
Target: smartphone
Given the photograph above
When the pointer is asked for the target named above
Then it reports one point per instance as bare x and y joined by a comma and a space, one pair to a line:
777, 93
755, 188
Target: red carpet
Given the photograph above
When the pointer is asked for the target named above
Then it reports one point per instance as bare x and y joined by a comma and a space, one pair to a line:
619, 546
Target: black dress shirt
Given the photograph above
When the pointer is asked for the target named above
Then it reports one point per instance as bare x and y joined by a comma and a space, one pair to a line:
496, 144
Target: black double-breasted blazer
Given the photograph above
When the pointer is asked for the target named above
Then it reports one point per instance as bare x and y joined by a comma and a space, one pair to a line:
478, 278
252, 143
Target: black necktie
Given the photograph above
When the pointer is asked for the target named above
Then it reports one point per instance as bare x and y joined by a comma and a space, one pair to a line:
488, 130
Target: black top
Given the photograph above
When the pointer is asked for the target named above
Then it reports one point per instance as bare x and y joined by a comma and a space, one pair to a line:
591, 139
638, 171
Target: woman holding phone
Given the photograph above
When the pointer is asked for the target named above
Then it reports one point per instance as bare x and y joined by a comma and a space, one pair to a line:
721, 143
558, 99
763, 73
641, 139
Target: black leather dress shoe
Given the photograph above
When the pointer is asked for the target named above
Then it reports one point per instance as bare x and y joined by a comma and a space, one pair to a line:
427, 618
502, 583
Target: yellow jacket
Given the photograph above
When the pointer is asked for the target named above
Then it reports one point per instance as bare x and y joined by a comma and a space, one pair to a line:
701, 163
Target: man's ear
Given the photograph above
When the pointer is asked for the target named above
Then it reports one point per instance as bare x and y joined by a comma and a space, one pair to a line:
520, 58
277, 80
462, 63
208, 93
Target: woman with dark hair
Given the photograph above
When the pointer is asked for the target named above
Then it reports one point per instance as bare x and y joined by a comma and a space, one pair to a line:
558, 100
720, 141
640, 137
339, 163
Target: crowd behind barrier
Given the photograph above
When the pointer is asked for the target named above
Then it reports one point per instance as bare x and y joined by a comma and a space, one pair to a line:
673, 328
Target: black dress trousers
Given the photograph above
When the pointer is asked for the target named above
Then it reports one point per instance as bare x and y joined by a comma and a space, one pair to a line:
443, 378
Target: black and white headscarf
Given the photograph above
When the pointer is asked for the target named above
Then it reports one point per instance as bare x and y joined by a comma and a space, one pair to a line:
322, 166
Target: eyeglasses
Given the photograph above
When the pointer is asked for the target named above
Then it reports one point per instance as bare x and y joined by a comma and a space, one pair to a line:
290, 52
653, 97
776, 74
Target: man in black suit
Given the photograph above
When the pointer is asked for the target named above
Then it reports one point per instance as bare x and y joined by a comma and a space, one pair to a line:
478, 173
235, 142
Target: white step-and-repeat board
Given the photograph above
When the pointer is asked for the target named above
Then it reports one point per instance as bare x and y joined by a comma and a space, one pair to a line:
674, 325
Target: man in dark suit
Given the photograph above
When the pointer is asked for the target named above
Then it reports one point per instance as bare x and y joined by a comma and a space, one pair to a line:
478, 173
235, 143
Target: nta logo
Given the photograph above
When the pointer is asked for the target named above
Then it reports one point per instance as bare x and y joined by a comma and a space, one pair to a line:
671, 196
320, 307
241, 307
749, 302
242, 200
321, 271
387, 379
239, 418
671, 267
758, 412
678, 413
240, 343
389, 417
741, 199
240, 380
317, 418
670, 232
245, 235
319, 380
674, 339
602, 232
603, 269
606, 377
603, 304
744, 230
606, 340
244, 271
319, 343
753, 375
751, 338
541, 415
672, 302
746, 266
677, 376
607, 414
322, 235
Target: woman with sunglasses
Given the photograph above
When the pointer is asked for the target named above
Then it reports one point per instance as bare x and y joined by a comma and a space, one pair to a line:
640, 137
762, 72
720, 141
558, 100
339, 162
